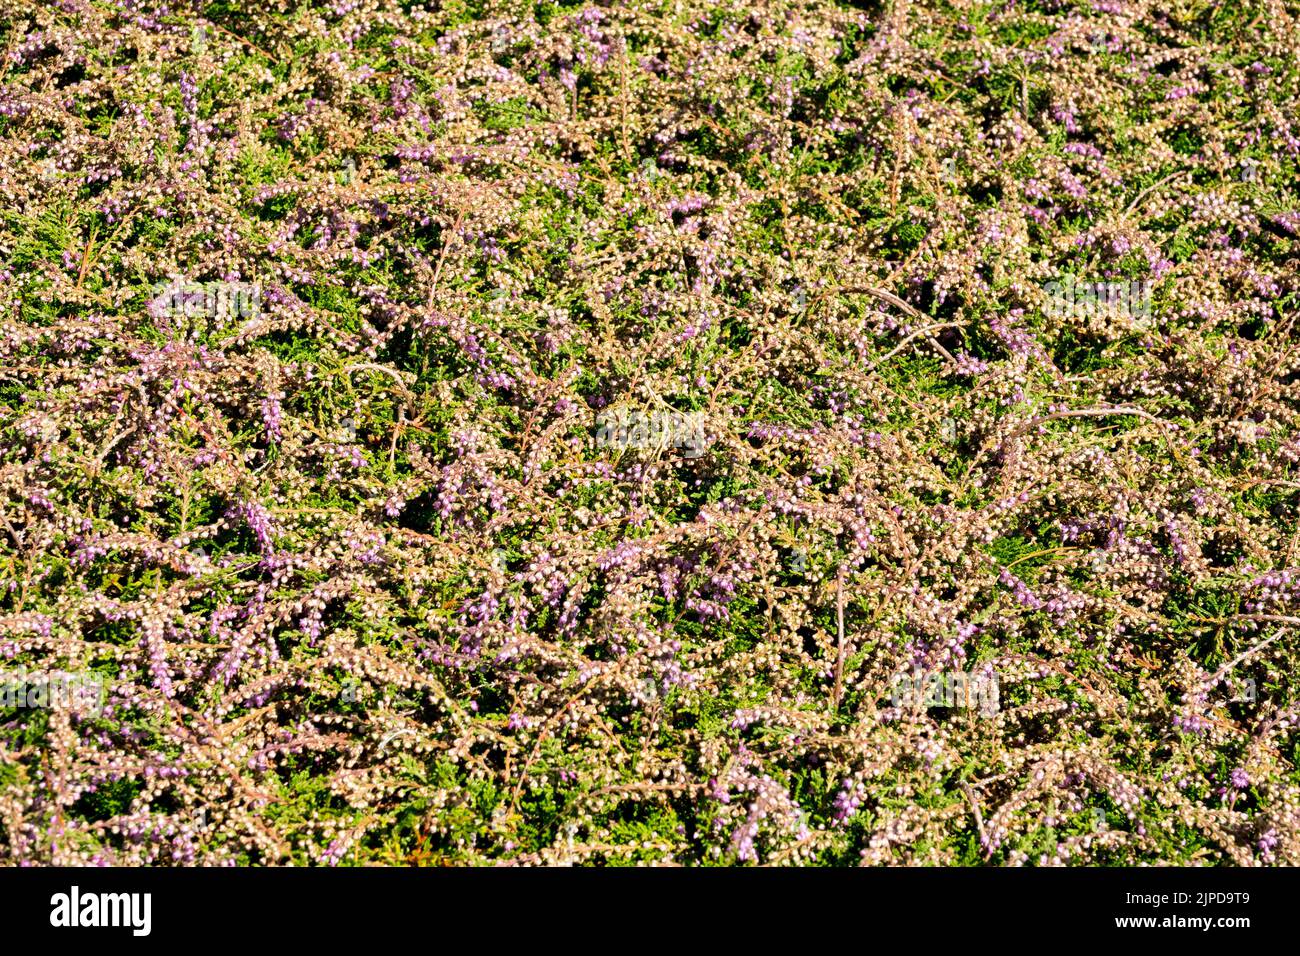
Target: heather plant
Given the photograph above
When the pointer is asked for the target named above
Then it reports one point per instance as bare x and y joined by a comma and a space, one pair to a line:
359, 576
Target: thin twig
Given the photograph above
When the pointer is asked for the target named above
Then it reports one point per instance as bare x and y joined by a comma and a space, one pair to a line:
903, 344
1087, 413
1152, 188
1251, 652
886, 296
979, 818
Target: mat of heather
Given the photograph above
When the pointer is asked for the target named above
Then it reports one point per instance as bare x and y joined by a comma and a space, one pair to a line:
365, 574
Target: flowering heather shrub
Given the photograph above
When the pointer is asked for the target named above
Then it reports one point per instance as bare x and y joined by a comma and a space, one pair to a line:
361, 584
